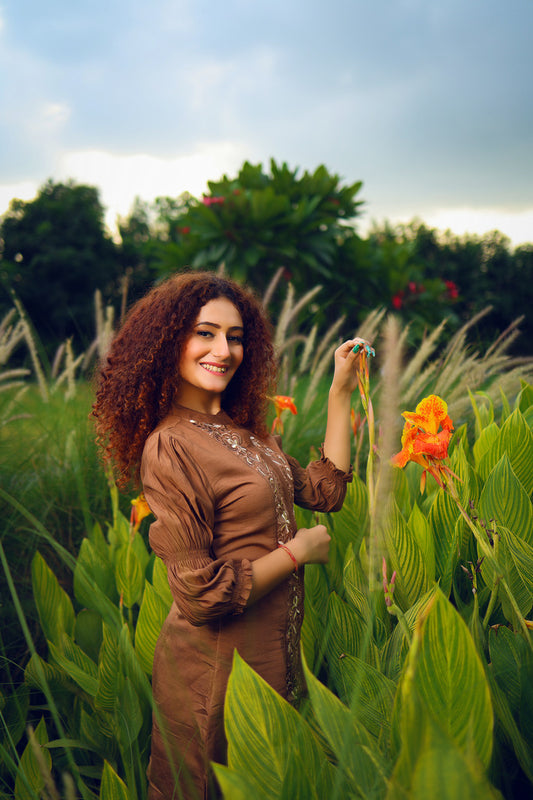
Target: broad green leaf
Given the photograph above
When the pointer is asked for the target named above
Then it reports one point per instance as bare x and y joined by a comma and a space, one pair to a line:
511, 664
160, 582
76, 664
98, 566
236, 786
54, 606
88, 632
444, 772
112, 787
450, 678
406, 560
109, 672
30, 780
484, 442
515, 439
265, 734
119, 534
354, 749
38, 673
129, 575
370, 693
524, 400
522, 749
516, 558
419, 528
128, 718
91, 586
152, 615
396, 649
401, 491
443, 518
96, 731
505, 500
351, 523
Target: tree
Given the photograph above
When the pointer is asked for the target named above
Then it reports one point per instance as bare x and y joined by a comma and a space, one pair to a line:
55, 253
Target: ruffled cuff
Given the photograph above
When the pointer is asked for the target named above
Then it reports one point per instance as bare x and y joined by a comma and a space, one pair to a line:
339, 474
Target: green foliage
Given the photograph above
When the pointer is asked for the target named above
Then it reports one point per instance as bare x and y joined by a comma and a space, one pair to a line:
430, 696
100, 652
55, 254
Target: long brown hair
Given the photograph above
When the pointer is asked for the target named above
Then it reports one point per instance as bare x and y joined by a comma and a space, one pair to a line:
137, 382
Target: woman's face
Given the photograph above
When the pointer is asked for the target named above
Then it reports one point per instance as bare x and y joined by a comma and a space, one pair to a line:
211, 356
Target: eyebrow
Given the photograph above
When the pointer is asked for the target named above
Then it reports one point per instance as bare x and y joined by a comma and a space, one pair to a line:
215, 325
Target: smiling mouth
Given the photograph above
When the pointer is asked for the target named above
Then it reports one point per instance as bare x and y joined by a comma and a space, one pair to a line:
216, 370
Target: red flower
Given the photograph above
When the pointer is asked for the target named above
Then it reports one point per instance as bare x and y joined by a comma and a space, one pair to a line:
453, 291
412, 287
212, 201
397, 300
185, 230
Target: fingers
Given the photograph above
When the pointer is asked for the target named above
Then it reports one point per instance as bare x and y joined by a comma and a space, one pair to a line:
356, 346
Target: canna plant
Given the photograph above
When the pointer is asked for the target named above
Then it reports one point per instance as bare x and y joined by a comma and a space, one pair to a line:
424, 688
95, 680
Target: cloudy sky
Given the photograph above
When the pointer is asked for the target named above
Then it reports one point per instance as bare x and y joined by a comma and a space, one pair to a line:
428, 102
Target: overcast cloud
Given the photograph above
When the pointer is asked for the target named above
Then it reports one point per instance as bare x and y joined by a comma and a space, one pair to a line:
428, 102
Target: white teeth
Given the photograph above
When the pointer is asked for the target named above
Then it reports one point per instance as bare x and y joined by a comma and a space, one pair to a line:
218, 370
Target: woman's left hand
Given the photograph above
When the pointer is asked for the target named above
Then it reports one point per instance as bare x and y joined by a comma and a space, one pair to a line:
346, 364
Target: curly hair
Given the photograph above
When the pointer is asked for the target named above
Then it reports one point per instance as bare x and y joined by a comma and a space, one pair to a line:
137, 383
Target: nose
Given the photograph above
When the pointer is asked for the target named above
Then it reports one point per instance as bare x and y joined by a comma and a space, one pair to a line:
221, 346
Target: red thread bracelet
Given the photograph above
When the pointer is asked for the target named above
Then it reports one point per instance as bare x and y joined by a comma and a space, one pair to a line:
292, 556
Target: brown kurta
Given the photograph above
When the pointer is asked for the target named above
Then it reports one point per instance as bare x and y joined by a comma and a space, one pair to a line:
222, 498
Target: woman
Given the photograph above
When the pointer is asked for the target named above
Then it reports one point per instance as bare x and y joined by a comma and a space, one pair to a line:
181, 404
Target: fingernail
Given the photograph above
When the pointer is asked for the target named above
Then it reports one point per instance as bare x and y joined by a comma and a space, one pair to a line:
356, 348
370, 350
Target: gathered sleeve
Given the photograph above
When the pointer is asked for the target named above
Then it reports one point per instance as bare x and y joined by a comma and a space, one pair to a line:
178, 493
321, 486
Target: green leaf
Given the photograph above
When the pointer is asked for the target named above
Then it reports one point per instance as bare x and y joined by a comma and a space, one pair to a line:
516, 558
354, 749
152, 615
511, 664
95, 563
112, 787
484, 442
129, 575
505, 500
128, 718
443, 518
54, 606
236, 786
516, 441
370, 693
109, 672
160, 582
406, 560
265, 734
88, 632
30, 780
76, 664
419, 527
450, 678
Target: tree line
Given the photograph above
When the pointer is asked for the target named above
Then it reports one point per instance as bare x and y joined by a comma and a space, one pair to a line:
55, 251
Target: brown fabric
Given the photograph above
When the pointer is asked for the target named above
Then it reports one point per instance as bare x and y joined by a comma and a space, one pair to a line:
222, 498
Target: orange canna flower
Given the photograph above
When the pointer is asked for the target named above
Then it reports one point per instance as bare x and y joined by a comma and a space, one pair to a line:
281, 403
423, 442
139, 510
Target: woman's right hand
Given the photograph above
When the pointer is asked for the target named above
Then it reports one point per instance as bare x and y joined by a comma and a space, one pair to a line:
311, 545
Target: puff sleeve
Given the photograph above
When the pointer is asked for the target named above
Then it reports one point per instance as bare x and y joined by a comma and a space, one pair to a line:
204, 588
321, 486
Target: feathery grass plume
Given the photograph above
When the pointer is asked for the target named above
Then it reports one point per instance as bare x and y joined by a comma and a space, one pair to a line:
69, 373
34, 355
391, 346
426, 348
271, 288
